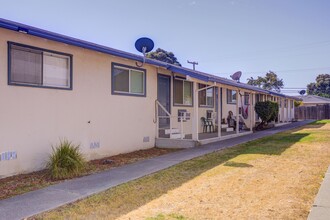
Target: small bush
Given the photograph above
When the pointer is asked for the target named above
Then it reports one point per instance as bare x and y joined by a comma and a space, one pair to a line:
275, 110
267, 111
297, 103
66, 161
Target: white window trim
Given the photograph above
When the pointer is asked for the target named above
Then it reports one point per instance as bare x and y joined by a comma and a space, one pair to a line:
192, 95
129, 81
231, 102
213, 95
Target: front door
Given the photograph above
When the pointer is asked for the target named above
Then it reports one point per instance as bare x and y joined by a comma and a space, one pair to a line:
164, 97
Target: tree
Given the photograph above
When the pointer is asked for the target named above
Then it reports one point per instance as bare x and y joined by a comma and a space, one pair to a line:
269, 82
165, 56
321, 87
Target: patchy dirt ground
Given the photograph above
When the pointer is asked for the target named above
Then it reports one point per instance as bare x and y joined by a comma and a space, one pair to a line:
19, 184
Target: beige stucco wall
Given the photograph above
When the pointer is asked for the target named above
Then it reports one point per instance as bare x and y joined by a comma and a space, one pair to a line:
286, 113
34, 119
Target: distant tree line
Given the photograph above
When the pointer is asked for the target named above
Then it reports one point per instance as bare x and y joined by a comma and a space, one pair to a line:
321, 87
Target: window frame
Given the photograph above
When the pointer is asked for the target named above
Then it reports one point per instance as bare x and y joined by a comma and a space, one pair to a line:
42, 50
228, 102
123, 66
206, 105
192, 93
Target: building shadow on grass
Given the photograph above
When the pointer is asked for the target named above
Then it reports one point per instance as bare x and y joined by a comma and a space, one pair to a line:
155, 185
318, 124
272, 145
235, 164
124, 198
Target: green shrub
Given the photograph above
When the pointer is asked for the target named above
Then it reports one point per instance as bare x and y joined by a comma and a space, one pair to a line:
297, 103
267, 111
66, 161
275, 110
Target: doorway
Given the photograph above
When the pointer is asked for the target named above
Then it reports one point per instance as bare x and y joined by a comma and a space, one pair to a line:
164, 97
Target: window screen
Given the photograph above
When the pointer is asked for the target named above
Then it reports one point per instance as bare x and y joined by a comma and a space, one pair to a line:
38, 67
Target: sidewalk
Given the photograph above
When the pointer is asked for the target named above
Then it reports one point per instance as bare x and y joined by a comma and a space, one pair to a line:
321, 207
51, 197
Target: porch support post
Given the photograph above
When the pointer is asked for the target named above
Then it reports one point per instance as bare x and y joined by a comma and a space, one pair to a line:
195, 118
219, 111
278, 114
237, 110
157, 119
251, 113
282, 110
293, 110
287, 110
254, 101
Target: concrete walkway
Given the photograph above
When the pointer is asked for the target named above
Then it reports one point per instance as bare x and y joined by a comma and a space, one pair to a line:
321, 207
51, 197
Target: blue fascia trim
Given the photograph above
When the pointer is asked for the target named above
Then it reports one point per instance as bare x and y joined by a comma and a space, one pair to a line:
239, 85
14, 26
187, 72
8, 26
277, 94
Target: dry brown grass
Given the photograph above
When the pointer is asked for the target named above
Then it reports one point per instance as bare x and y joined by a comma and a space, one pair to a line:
272, 178
19, 184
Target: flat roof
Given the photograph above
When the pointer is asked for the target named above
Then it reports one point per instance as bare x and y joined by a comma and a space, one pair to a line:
15, 26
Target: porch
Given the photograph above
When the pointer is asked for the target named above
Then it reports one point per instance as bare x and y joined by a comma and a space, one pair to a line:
190, 112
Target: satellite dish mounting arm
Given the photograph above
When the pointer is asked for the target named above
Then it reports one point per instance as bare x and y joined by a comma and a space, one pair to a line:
144, 49
143, 45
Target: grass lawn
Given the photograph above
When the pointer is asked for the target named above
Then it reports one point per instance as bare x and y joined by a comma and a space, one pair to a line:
275, 177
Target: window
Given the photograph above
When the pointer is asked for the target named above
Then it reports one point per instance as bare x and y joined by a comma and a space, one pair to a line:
231, 96
206, 96
285, 103
128, 80
246, 98
258, 98
32, 66
183, 91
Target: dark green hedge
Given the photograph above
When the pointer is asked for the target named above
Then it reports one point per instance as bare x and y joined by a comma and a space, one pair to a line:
267, 111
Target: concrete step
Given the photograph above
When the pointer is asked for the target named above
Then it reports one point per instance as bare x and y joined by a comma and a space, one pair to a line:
174, 130
177, 136
224, 125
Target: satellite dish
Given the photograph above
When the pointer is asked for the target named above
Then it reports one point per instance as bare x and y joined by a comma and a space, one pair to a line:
302, 92
236, 76
144, 45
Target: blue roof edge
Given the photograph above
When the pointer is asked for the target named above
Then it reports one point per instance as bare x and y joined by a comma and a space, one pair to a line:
15, 26
73, 41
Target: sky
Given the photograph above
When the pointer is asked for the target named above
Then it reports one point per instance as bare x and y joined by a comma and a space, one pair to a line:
289, 37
